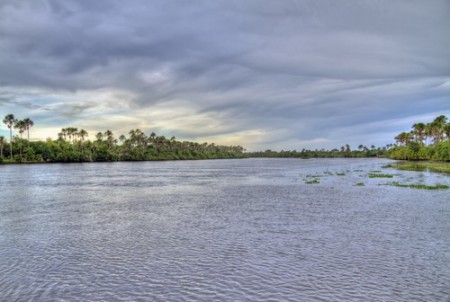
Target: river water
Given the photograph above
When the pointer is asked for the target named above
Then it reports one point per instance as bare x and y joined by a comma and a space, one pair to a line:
222, 230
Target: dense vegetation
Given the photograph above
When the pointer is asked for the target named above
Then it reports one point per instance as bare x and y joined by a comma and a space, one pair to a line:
72, 145
344, 151
429, 141
424, 142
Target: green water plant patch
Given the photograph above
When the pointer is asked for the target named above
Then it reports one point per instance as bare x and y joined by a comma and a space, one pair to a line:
312, 181
380, 175
419, 186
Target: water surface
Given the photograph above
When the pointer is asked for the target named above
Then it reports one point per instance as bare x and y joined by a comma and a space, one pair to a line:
222, 230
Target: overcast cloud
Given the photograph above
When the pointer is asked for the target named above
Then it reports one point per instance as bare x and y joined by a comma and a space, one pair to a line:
263, 73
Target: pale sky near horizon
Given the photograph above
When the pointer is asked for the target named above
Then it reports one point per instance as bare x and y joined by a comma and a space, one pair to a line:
258, 73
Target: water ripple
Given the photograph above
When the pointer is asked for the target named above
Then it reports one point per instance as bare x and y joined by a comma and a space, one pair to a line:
234, 230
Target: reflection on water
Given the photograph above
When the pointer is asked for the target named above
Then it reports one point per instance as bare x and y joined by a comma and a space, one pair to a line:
228, 230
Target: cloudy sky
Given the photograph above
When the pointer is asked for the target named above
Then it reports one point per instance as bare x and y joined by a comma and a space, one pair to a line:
273, 74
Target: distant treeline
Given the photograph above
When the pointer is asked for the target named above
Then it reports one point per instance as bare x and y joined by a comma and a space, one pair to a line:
73, 145
429, 141
344, 151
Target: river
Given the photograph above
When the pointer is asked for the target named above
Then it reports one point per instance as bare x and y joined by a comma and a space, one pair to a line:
222, 230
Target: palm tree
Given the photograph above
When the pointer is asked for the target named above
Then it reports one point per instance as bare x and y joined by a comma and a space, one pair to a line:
403, 138
419, 132
109, 137
21, 126
122, 138
161, 142
441, 120
151, 140
82, 134
63, 134
2, 143
436, 128
72, 132
28, 124
447, 130
10, 121
99, 136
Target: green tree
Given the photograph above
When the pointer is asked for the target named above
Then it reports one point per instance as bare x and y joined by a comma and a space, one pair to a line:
72, 133
2, 143
21, 126
436, 128
419, 132
109, 138
122, 138
99, 136
28, 124
10, 121
82, 134
403, 138
446, 129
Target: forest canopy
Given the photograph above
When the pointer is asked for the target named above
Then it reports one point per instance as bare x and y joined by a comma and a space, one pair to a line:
74, 145
425, 141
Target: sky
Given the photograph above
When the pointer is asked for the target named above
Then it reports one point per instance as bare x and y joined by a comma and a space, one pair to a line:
264, 74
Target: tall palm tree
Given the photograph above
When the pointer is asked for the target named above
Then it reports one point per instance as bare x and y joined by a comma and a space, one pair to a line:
447, 130
2, 143
122, 138
82, 134
10, 121
109, 137
21, 126
99, 136
28, 124
152, 138
441, 120
72, 132
132, 134
436, 130
63, 134
403, 138
419, 132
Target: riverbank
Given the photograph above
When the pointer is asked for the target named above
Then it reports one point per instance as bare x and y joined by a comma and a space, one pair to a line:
164, 158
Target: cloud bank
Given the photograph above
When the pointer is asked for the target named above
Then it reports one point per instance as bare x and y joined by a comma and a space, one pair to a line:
263, 74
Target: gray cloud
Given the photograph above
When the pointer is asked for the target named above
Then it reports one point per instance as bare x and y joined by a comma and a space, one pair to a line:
287, 74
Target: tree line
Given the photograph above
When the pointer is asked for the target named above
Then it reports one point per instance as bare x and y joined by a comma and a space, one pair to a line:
21, 125
74, 145
425, 141
342, 152
430, 141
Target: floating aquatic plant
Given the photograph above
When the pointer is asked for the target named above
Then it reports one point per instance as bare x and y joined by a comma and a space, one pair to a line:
419, 186
380, 175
